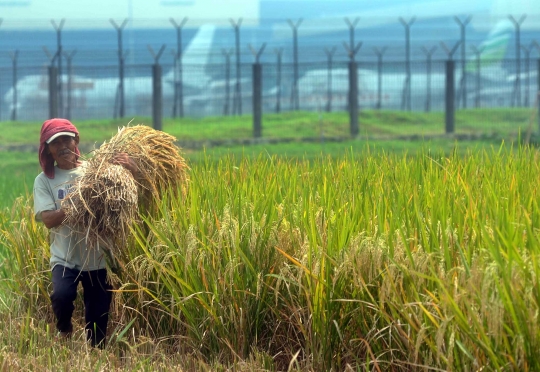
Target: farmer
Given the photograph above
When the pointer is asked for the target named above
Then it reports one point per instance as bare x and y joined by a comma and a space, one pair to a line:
71, 261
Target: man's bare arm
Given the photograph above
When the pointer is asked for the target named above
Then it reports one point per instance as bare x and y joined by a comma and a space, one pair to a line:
53, 218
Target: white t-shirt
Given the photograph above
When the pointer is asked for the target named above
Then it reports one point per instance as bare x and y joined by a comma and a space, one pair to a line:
68, 247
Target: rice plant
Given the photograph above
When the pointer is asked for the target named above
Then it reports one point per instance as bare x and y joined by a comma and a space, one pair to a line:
370, 261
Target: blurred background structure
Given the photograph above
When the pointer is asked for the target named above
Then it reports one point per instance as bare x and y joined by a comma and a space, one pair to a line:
175, 58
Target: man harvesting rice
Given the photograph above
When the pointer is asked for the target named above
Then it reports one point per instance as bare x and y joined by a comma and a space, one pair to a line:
71, 260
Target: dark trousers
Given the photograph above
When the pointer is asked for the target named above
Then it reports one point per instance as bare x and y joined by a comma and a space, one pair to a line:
97, 300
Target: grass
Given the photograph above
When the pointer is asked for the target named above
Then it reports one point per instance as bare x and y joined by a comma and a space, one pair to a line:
294, 125
371, 260
18, 171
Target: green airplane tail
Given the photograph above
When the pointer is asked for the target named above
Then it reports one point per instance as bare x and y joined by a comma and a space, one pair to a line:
494, 48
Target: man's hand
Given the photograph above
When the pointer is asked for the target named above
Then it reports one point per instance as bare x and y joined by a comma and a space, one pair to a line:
127, 162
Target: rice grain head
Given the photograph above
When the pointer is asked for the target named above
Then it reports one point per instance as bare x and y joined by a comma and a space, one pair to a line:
106, 199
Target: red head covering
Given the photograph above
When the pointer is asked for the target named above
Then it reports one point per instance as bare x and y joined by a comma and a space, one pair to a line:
48, 129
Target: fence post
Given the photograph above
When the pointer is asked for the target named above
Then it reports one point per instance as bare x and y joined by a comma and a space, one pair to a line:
69, 58
14, 57
157, 97
53, 92
121, 55
449, 97
450, 93
237, 96
295, 100
406, 95
379, 54
227, 54
478, 53
58, 29
329, 55
157, 91
429, 54
527, 52
353, 87
178, 84
257, 97
278, 52
463, 81
257, 92
353, 98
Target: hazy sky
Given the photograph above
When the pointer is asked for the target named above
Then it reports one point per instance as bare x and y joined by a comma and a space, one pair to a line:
153, 13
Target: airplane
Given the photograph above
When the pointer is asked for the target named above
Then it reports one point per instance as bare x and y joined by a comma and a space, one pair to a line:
207, 93
86, 97
313, 86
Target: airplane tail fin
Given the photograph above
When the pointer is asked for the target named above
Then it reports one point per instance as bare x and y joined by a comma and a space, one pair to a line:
493, 49
198, 50
197, 53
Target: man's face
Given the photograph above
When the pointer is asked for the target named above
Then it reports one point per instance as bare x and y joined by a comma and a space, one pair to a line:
62, 149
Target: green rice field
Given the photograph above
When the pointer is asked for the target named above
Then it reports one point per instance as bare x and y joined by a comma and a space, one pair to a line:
359, 256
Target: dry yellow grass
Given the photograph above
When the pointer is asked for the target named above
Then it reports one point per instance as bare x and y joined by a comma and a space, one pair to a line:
105, 199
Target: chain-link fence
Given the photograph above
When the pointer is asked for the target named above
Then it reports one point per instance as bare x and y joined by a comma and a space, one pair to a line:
94, 92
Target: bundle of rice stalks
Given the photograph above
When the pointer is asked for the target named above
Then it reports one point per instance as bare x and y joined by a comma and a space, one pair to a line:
105, 200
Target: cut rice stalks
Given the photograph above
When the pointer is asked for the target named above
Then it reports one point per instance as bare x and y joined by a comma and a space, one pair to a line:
105, 200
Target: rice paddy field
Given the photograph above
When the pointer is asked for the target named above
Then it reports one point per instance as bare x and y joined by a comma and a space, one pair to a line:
370, 258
